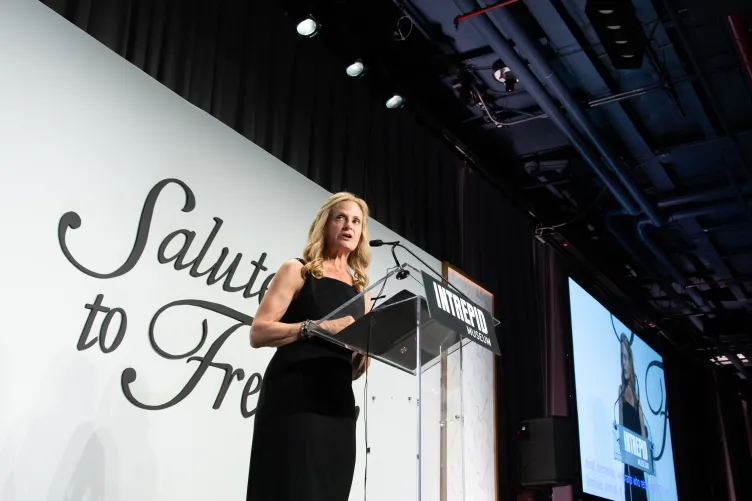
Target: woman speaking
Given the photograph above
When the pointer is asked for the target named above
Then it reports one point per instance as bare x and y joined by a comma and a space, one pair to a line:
631, 417
304, 433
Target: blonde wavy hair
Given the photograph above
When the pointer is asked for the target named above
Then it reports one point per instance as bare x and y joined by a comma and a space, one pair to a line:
624, 341
313, 253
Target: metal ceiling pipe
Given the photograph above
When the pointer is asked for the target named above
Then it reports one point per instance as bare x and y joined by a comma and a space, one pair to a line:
734, 195
594, 103
644, 223
505, 51
693, 196
728, 205
508, 26
610, 221
614, 98
676, 274
694, 211
478, 12
667, 288
704, 82
697, 210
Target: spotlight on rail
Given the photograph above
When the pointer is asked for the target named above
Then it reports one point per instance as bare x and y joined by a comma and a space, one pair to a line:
620, 31
356, 69
308, 27
504, 75
395, 102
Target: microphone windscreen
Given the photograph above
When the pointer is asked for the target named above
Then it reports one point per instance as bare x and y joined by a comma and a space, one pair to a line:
376, 243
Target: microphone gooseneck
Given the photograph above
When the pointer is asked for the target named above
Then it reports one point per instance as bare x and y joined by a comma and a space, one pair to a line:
402, 274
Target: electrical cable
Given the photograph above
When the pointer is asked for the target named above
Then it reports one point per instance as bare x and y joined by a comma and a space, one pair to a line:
618, 338
397, 35
485, 108
539, 230
365, 388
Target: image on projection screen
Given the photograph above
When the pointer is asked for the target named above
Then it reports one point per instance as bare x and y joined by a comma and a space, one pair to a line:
625, 438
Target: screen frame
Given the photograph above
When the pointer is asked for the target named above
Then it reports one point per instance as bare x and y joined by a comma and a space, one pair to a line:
577, 489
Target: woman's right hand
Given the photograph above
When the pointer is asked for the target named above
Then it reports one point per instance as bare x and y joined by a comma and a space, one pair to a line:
335, 325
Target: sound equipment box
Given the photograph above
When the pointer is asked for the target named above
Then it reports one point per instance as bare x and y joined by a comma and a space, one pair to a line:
547, 451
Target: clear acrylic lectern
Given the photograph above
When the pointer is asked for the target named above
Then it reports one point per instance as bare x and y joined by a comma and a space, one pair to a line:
412, 408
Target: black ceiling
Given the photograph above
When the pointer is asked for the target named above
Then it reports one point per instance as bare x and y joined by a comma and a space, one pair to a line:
672, 138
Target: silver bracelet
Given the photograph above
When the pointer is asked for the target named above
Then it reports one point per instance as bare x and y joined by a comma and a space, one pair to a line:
305, 329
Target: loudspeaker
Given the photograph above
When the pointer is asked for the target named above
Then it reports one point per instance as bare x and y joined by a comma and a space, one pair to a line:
547, 450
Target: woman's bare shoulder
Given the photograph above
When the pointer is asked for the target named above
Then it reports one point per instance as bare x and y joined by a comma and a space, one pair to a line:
289, 273
290, 265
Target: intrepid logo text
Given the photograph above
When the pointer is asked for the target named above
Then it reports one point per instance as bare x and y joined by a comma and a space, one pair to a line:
473, 317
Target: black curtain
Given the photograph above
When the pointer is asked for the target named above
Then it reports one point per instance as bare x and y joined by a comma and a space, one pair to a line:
497, 247
554, 321
737, 444
552, 307
693, 412
242, 62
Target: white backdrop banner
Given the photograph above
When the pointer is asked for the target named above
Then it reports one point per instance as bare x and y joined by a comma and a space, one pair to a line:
139, 236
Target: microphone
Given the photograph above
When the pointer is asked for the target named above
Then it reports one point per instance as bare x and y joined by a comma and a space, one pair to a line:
404, 273
379, 243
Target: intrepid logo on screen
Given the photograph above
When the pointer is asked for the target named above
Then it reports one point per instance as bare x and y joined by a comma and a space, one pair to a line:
635, 450
636, 446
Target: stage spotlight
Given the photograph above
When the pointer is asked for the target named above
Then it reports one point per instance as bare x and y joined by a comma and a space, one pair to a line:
308, 27
620, 37
498, 69
619, 30
356, 69
612, 23
625, 49
504, 75
395, 102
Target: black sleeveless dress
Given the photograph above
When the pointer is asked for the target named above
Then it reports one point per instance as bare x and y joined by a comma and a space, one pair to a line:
634, 490
304, 430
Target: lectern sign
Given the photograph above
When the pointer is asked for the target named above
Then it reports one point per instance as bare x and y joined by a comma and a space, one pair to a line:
459, 314
635, 450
